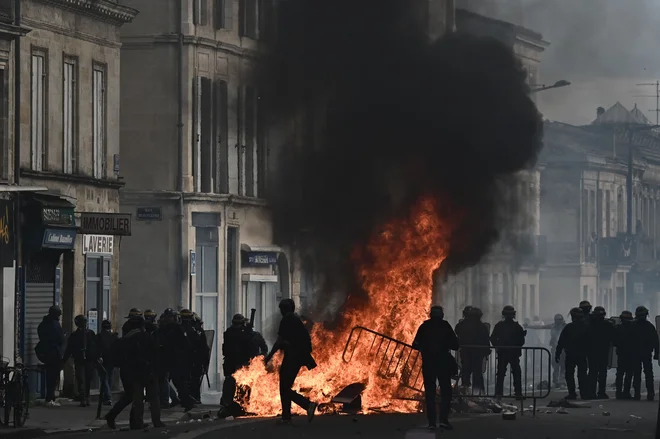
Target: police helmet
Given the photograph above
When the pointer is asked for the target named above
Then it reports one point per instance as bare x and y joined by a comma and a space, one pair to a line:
626, 316
137, 319
585, 306
641, 312
466, 311
54, 311
477, 312
186, 314
599, 311
508, 311
287, 305
105, 324
238, 319
576, 313
149, 315
134, 312
80, 321
169, 312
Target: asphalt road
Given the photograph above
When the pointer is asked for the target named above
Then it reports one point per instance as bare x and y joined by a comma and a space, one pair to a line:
635, 418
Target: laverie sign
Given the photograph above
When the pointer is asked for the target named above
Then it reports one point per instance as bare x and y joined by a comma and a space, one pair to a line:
99, 244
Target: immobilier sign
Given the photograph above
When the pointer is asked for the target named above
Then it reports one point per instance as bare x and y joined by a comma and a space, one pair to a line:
100, 223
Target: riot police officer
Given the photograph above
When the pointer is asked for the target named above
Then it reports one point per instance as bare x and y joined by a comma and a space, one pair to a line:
200, 352
176, 355
435, 339
237, 350
259, 346
585, 306
126, 327
626, 349
508, 333
575, 341
648, 348
601, 336
473, 332
150, 321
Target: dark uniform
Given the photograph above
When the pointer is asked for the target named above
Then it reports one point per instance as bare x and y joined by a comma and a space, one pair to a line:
105, 341
237, 350
294, 339
81, 346
648, 348
259, 346
136, 353
435, 339
49, 350
199, 350
175, 356
471, 331
126, 327
626, 347
508, 333
575, 341
150, 324
601, 336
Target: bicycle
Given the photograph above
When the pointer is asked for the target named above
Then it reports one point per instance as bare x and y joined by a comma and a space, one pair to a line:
15, 393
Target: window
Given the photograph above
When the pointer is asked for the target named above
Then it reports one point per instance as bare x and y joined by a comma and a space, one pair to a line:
99, 121
38, 117
619, 212
262, 150
231, 271
97, 286
248, 11
224, 14
221, 150
203, 145
250, 141
608, 215
7, 11
69, 115
4, 108
200, 12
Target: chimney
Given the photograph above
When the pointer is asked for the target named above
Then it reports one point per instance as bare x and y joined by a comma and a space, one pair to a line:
600, 111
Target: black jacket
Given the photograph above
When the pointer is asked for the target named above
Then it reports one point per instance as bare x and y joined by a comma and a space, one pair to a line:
175, 351
473, 332
82, 347
138, 351
51, 340
626, 340
601, 335
434, 339
236, 348
574, 339
648, 337
508, 332
104, 341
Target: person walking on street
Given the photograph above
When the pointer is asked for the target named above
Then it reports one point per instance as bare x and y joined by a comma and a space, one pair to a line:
575, 341
649, 347
49, 351
137, 353
294, 339
435, 339
105, 341
507, 334
81, 346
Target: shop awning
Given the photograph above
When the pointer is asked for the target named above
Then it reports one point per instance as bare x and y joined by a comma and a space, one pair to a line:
261, 248
52, 200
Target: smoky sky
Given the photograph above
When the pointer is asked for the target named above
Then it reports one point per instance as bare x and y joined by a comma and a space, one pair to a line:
395, 118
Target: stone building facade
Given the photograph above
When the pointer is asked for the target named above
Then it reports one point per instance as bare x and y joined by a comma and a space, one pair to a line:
599, 249
505, 276
63, 160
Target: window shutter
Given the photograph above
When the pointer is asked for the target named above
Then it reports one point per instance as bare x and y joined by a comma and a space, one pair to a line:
203, 12
251, 19
197, 13
262, 147
250, 98
241, 140
241, 18
197, 107
206, 138
221, 137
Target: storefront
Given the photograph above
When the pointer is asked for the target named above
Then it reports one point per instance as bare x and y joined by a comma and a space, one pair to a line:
7, 299
49, 234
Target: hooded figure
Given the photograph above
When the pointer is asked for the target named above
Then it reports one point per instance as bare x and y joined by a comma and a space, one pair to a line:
49, 351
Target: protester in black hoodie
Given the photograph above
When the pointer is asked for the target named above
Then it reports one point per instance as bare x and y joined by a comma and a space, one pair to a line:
82, 347
105, 340
49, 351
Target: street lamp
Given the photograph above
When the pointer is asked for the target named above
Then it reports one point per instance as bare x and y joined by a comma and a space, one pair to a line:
558, 84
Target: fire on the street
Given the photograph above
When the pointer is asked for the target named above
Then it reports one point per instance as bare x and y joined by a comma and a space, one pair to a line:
396, 271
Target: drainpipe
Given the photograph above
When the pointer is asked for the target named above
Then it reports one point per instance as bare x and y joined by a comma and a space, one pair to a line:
19, 295
181, 271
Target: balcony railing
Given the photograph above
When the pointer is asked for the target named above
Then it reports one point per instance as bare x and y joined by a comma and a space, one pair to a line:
620, 250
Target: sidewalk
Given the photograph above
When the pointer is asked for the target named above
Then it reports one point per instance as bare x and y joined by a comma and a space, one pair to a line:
71, 417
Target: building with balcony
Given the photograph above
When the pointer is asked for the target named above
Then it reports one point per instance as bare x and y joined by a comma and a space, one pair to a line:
600, 247
506, 276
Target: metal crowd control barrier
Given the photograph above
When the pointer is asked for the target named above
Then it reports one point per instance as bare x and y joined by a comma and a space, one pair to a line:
398, 360
535, 373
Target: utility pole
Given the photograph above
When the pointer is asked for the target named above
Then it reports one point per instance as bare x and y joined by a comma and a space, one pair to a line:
655, 84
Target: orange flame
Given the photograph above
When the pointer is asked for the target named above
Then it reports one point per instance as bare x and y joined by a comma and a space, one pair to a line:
395, 270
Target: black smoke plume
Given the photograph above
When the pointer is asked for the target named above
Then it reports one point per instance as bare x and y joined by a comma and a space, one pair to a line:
382, 117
